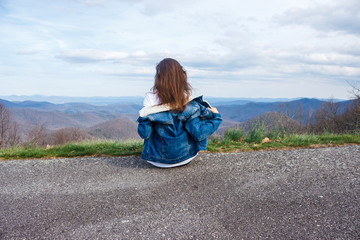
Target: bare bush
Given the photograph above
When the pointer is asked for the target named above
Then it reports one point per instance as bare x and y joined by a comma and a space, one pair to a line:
9, 131
352, 116
293, 114
355, 91
327, 118
37, 136
330, 118
66, 135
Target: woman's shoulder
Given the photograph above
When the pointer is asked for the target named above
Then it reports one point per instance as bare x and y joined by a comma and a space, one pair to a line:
200, 101
195, 104
191, 108
197, 107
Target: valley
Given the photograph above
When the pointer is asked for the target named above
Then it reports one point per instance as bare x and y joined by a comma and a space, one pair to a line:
118, 120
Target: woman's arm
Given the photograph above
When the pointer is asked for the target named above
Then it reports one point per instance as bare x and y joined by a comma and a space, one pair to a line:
144, 127
201, 128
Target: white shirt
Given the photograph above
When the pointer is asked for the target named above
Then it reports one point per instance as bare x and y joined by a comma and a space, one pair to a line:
151, 99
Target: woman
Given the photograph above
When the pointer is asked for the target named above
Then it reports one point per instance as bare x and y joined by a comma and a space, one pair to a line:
174, 128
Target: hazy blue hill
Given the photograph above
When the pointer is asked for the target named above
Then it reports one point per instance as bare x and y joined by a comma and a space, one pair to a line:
304, 104
85, 115
226, 123
236, 102
37, 105
63, 99
269, 120
241, 113
115, 129
226, 101
110, 109
47, 106
53, 120
80, 108
128, 108
138, 100
57, 119
247, 111
242, 101
125, 108
7, 104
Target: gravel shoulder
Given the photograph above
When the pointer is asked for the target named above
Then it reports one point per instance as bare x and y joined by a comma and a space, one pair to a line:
286, 194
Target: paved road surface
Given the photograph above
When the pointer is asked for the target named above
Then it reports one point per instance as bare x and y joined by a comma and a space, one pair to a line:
297, 194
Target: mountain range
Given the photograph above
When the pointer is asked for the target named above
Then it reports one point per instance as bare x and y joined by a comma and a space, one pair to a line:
118, 120
138, 100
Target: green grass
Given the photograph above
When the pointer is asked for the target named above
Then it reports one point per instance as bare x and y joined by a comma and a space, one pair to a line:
253, 141
233, 140
94, 148
234, 134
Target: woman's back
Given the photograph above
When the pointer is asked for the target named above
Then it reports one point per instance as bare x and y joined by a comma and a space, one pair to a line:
174, 129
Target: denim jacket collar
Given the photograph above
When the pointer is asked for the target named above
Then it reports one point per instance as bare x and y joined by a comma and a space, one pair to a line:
145, 111
162, 113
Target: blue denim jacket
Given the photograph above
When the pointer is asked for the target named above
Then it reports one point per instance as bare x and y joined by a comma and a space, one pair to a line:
171, 137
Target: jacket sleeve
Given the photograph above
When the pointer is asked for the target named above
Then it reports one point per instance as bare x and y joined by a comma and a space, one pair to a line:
200, 128
144, 127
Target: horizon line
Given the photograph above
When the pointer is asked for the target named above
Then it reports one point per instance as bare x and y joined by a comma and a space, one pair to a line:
137, 96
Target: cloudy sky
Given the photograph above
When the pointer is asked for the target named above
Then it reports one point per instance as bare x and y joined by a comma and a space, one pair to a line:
230, 48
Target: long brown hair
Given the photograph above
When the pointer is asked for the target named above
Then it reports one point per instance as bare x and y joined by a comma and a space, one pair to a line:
171, 84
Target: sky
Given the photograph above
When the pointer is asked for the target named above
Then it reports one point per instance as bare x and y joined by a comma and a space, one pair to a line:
229, 48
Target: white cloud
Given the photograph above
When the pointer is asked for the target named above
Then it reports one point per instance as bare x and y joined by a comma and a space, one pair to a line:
85, 55
333, 71
120, 42
342, 16
139, 54
28, 51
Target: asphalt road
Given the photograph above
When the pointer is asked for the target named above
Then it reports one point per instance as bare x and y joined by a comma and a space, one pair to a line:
293, 194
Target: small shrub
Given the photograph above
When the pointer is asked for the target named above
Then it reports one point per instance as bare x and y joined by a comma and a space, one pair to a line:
214, 139
276, 133
256, 134
234, 135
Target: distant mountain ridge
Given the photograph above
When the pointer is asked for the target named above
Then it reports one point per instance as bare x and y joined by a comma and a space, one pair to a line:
103, 117
73, 107
304, 106
268, 120
115, 129
29, 114
64, 99
99, 100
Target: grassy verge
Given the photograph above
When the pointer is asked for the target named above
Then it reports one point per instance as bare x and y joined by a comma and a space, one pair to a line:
291, 141
95, 148
233, 141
